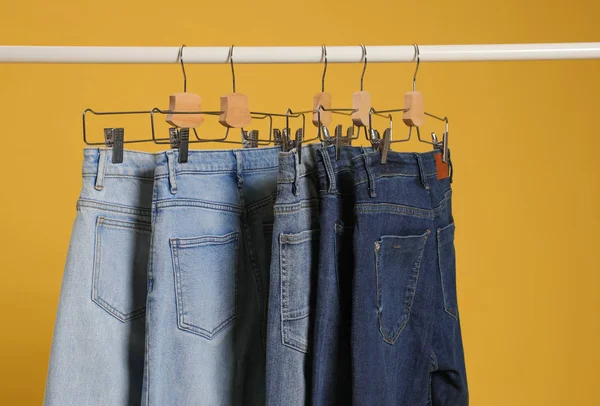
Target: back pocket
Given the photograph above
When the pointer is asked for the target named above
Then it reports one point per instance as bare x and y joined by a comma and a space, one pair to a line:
398, 260
447, 263
205, 270
298, 258
119, 282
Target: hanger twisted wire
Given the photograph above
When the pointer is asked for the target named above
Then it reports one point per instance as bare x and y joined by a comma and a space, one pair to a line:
180, 59
364, 56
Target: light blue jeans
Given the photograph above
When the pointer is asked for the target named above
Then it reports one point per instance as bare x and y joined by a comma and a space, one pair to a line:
97, 354
212, 220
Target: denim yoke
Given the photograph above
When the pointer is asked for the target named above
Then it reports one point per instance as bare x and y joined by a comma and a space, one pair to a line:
97, 354
294, 262
406, 340
331, 361
206, 321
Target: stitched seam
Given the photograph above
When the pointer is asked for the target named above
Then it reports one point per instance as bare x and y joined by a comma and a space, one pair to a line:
205, 240
182, 323
294, 207
415, 271
447, 308
112, 207
96, 298
196, 203
126, 225
261, 203
397, 208
125, 176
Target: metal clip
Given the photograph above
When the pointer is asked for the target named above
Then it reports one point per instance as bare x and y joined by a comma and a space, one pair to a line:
347, 140
113, 137
442, 145
327, 138
288, 143
250, 139
298, 143
180, 138
375, 139
445, 147
277, 137
338, 141
385, 144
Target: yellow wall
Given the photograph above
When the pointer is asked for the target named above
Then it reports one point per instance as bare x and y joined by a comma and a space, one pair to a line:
524, 137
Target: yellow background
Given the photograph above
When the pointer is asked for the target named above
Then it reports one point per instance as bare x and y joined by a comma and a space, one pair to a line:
524, 138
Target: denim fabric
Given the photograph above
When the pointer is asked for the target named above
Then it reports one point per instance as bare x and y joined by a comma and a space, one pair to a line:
294, 264
97, 354
206, 309
406, 338
332, 383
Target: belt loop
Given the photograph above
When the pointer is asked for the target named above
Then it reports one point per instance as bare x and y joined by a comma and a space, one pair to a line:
101, 170
329, 170
172, 174
367, 162
238, 168
422, 171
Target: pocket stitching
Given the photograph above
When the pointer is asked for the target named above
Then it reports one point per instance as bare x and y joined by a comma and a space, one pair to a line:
417, 268
451, 312
285, 313
184, 243
114, 223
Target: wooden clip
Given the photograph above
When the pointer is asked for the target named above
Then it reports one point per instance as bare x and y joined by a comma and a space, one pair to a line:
361, 106
324, 100
415, 115
235, 111
185, 102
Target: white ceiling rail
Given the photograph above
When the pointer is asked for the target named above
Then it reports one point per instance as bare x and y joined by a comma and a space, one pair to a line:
298, 54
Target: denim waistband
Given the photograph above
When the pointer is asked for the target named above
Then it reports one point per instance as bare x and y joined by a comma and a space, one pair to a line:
136, 164
368, 167
329, 166
291, 168
215, 161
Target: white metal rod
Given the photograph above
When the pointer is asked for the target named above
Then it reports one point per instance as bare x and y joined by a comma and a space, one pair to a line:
298, 54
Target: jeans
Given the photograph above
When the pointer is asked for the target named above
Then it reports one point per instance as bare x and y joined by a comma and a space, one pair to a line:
294, 262
206, 308
97, 354
406, 338
332, 379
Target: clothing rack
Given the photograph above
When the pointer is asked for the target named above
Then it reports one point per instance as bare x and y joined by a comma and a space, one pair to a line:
298, 54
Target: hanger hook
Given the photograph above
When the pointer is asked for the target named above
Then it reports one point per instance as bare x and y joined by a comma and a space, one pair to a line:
230, 57
180, 58
323, 56
364, 54
418, 57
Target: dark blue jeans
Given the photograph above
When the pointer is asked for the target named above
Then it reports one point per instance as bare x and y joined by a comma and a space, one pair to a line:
332, 380
406, 339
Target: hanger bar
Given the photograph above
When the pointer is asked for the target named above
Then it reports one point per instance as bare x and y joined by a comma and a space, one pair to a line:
298, 54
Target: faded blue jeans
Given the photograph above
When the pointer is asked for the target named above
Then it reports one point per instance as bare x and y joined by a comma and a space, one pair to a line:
97, 354
212, 223
294, 261
406, 338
